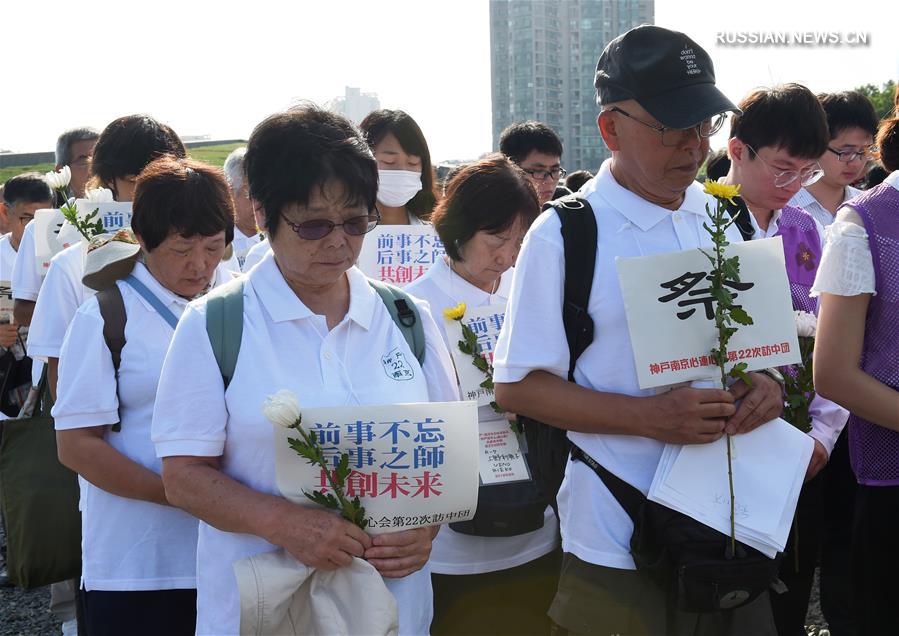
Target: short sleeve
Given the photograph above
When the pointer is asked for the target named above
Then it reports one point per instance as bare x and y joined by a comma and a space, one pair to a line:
56, 306
438, 365
533, 335
190, 416
26, 272
846, 267
86, 392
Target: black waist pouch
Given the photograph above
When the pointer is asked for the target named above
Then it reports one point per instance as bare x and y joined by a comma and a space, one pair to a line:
505, 510
690, 561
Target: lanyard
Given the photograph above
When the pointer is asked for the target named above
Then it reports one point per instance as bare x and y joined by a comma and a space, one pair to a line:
147, 295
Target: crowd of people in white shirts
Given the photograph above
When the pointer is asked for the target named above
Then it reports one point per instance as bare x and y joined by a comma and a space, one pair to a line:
175, 459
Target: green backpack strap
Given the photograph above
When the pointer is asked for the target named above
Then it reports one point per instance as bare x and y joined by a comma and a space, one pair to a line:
224, 325
224, 322
405, 314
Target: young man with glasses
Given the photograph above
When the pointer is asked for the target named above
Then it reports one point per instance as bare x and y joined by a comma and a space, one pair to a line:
852, 123
657, 92
537, 150
774, 147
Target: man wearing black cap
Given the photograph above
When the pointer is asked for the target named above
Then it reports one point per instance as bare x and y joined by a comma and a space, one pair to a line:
659, 107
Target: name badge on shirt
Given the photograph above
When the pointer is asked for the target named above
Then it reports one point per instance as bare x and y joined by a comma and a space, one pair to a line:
396, 366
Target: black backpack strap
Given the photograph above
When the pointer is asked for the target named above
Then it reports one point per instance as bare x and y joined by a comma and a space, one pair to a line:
579, 236
628, 496
112, 310
740, 213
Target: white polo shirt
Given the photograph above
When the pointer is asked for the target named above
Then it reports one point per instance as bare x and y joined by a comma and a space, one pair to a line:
454, 552
26, 272
594, 527
242, 244
807, 201
284, 346
256, 254
126, 544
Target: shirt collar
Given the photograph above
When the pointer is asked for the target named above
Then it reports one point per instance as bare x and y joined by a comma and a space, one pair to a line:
805, 199
462, 291
283, 305
169, 299
772, 224
638, 210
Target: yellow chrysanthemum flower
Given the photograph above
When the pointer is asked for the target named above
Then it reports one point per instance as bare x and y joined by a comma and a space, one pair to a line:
454, 313
721, 190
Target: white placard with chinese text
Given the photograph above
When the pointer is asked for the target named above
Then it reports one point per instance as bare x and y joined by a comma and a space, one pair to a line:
400, 254
413, 465
52, 234
670, 313
486, 323
501, 460
47, 223
113, 216
6, 301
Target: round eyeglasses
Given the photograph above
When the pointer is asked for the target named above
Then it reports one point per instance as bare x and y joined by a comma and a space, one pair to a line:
673, 137
783, 178
316, 229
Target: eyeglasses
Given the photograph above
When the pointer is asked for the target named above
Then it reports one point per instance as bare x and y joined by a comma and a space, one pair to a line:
848, 156
320, 228
783, 178
673, 137
540, 175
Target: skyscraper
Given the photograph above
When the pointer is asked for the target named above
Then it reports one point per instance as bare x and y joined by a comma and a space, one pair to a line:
354, 105
543, 56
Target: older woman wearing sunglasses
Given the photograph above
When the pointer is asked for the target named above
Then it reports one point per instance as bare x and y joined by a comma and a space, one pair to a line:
313, 324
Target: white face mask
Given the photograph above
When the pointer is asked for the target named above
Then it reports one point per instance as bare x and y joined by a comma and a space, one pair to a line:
397, 187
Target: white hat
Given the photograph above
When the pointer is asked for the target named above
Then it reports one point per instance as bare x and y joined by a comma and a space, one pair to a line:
110, 257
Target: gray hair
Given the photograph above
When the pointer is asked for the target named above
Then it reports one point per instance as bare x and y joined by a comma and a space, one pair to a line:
234, 168
65, 141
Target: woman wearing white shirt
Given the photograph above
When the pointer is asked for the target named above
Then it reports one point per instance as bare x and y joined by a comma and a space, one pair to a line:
405, 176
857, 366
312, 324
489, 580
138, 552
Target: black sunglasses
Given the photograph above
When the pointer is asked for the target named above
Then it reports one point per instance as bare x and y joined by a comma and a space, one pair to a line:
320, 228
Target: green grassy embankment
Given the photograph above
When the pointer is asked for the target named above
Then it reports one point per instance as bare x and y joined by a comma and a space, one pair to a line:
214, 155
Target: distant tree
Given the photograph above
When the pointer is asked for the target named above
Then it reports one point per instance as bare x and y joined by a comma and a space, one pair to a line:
881, 98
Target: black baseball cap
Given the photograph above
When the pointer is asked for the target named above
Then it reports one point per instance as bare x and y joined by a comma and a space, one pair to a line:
666, 72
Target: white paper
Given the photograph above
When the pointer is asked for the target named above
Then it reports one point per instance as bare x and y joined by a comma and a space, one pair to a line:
413, 465
400, 254
672, 335
501, 460
486, 323
769, 466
